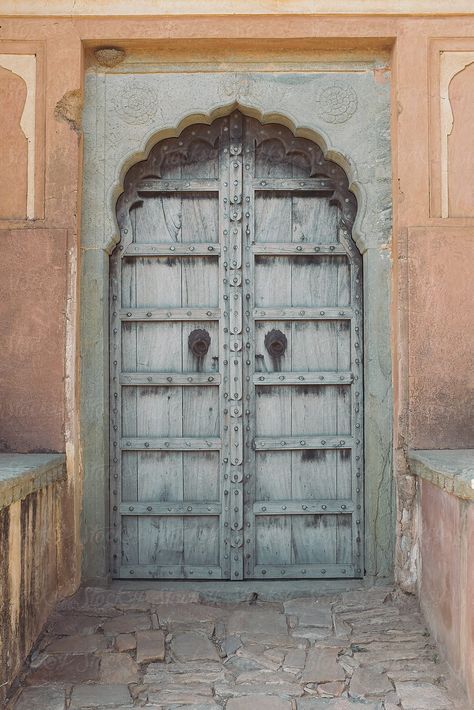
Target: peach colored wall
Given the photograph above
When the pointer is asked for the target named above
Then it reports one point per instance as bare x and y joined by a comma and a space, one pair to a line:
33, 271
441, 369
447, 575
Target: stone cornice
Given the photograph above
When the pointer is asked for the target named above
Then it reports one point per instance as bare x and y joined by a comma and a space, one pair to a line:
78, 8
22, 474
452, 470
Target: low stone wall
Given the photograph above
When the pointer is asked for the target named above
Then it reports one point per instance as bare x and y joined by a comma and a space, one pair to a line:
445, 502
32, 541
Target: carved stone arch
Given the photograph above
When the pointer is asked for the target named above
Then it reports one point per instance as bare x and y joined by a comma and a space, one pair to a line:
319, 137
186, 139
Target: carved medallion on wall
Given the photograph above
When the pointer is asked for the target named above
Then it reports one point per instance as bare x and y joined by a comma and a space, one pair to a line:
138, 104
337, 103
237, 86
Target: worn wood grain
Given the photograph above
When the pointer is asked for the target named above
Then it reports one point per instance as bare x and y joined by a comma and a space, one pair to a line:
238, 229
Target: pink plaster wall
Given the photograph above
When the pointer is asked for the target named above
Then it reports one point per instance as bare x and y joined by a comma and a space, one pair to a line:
32, 342
441, 373
446, 582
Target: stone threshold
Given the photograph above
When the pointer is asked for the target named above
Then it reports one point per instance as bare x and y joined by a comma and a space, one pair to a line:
266, 590
22, 474
452, 470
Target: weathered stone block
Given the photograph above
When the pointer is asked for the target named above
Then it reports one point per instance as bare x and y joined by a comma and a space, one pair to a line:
72, 624
99, 696
193, 646
127, 623
322, 666
422, 696
150, 646
118, 668
78, 644
262, 702
43, 698
125, 642
257, 621
367, 682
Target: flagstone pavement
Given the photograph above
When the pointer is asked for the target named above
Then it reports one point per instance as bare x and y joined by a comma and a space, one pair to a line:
359, 650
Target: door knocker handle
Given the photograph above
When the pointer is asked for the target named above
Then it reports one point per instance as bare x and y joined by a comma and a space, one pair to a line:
198, 342
276, 343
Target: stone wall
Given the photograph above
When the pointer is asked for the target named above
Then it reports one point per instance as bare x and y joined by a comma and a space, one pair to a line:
35, 554
445, 510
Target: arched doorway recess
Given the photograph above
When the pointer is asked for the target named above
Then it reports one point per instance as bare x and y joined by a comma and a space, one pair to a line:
236, 328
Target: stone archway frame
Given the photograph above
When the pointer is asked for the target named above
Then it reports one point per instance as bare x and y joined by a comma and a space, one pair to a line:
348, 116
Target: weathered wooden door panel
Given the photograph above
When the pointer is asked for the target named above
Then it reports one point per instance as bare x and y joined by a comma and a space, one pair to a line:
236, 373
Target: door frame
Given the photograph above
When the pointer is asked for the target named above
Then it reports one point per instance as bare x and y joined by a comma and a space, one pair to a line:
105, 164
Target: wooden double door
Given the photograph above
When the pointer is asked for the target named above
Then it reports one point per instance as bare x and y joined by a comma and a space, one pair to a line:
236, 417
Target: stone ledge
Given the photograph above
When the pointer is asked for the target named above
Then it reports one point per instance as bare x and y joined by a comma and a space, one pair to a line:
22, 474
452, 470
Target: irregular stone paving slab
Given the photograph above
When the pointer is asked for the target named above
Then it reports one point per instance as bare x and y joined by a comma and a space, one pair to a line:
98, 601
237, 665
72, 624
396, 652
43, 698
156, 596
150, 646
104, 696
332, 642
312, 634
175, 696
371, 616
367, 598
204, 667
193, 646
310, 611
78, 644
285, 690
429, 673
390, 699
158, 679
331, 690
127, 623
342, 629
231, 644
422, 696
387, 635
256, 652
125, 642
66, 669
294, 660
382, 647
335, 704
262, 702
204, 627
258, 620
274, 640
118, 668
264, 676
132, 600
366, 683
188, 613
322, 666
276, 655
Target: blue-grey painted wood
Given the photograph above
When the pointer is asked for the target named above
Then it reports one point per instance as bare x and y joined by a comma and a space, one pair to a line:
237, 228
